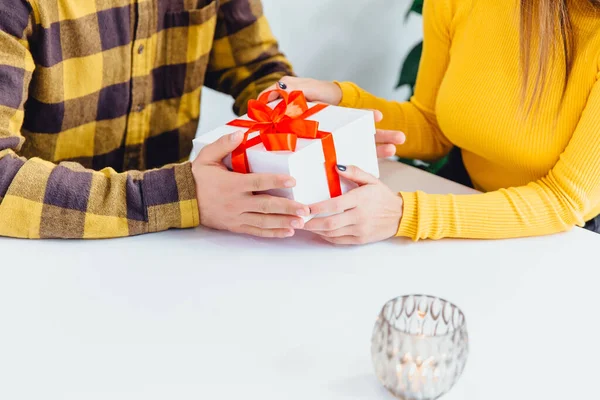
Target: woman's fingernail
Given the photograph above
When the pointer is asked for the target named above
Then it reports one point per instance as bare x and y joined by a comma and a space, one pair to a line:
301, 213
289, 233
289, 184
341, 167
296, 224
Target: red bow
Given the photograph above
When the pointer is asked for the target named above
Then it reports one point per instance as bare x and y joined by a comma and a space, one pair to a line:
279, 129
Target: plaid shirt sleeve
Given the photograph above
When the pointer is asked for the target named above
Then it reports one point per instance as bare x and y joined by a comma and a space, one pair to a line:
245, 57
39, 199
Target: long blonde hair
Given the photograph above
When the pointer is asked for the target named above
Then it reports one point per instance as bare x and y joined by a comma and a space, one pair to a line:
550, 21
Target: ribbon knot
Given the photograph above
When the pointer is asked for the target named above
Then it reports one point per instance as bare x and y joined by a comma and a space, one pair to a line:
279, 129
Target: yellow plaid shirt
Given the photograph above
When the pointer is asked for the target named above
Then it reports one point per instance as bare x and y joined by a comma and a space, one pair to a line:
96, 96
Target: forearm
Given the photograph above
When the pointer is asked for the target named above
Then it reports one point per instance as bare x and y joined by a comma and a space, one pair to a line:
424, 139
531, 210
417, 119
39, 199
245, 58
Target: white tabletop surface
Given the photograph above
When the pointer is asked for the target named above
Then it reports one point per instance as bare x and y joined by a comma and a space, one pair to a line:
198, 314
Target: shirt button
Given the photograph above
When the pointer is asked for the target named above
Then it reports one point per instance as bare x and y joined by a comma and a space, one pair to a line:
139, 108
141, 49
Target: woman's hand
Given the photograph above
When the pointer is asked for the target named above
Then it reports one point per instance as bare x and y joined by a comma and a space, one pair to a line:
370, 213
314, 90
330, 93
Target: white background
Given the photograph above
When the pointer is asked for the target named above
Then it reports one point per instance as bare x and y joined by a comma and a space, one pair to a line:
364, 41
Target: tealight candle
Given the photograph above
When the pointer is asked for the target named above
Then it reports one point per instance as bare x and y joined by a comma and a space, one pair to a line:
419, 346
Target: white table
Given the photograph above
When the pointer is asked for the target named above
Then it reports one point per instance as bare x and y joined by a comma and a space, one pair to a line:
204, 315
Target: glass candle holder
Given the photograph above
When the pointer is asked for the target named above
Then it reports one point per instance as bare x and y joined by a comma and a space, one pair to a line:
419, 346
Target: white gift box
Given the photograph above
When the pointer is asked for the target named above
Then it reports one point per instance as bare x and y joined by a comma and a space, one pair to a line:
354, 137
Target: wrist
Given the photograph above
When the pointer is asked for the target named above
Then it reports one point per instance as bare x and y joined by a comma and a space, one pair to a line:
351, 95
409, 222
400, 209
336, 94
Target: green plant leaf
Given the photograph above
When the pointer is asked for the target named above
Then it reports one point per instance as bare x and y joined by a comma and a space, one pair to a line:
435, 167
416, 7
408, 75
432, 168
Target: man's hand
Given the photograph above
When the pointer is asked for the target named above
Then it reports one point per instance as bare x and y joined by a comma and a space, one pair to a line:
227, 200
330, 93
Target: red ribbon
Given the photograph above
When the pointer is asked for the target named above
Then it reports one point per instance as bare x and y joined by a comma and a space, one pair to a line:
279, 129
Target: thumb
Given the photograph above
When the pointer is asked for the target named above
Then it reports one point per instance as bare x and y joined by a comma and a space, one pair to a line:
217, 151
273, 96
356, 175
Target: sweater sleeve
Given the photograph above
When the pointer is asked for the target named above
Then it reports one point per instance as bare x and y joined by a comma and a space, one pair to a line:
245, 58
416, 118
565, 197
39, 199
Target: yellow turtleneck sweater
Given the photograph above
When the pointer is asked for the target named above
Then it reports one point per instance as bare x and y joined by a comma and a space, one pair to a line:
541, 173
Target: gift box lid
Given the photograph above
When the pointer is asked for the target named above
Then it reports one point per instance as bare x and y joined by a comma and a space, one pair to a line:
331, 119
